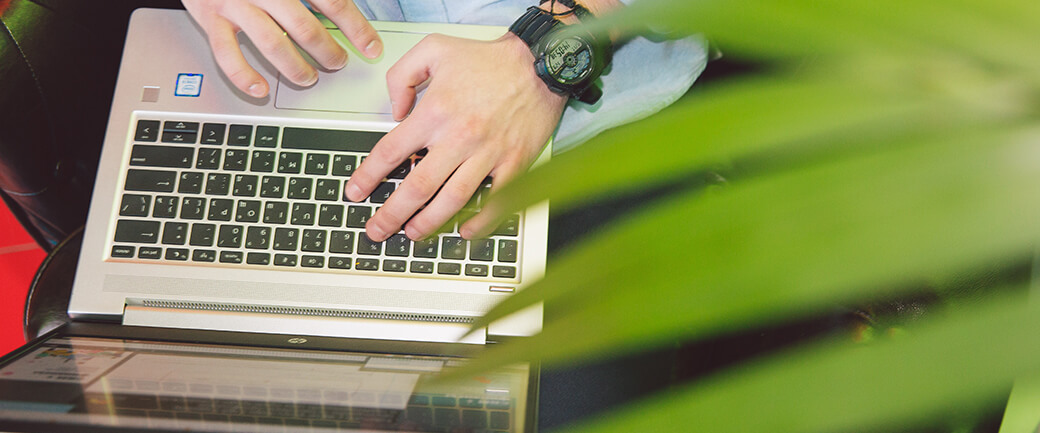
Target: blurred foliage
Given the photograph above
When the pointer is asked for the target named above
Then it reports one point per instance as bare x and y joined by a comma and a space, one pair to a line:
888, 144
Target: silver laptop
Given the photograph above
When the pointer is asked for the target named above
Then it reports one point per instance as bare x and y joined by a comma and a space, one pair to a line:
220, 218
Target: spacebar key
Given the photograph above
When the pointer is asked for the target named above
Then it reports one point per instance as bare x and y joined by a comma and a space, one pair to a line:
142, 232
329, 139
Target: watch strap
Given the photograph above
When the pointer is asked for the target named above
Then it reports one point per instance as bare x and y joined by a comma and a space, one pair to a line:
533, 24
579, 11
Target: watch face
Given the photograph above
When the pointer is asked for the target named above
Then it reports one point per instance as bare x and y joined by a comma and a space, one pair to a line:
569, 60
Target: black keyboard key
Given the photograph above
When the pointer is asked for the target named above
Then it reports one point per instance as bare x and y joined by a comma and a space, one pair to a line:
343, 165
229, 236
134, 401
426, 248
481, 249
453, 248
150, 180
449, 268
240, 135
258, 258
357, 216
166, 206
149, 253
134, 231
331, 215
509, 227
499, 420
231, 257
178, 254
327, 189
394, 265
162, 156
290, 162
312, 262
218, 184
135, 205
421, 267
191, 182
474, 419
299, 188
341, 242
220, 209
368, 247
507, 250
266, 136
382, 192
367, 264
193, 208
203, 234
258, 238
236, 160
272, 187
499, 404
245, 185
208, 256
446, 418
147, 130
313, 241
329, 139
398, 245
285, 260
180, 132
286, 239
317, 164
339, 262
303, 214
400, 171
248, 211
276, 212
213, 133
503, 271
263, 161
473, 403
474, 270
123, 251
208, 159
175, 233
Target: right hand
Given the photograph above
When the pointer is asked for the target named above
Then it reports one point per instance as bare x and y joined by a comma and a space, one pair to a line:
270, 24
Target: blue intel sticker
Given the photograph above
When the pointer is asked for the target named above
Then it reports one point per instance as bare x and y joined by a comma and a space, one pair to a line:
188, 85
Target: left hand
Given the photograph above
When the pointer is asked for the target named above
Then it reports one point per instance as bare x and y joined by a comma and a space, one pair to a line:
484, 113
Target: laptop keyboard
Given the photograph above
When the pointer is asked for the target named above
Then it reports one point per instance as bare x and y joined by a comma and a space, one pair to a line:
256, 195
424, 412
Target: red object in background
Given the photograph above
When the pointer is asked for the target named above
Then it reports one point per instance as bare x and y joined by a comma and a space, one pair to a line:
19, 258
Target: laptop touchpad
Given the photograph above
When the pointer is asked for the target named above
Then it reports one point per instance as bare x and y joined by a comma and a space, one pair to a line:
360, 87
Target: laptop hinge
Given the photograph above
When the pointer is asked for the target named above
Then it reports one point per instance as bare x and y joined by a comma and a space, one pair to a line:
301, 321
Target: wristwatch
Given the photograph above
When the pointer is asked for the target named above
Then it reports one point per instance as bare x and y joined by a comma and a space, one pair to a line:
568, 62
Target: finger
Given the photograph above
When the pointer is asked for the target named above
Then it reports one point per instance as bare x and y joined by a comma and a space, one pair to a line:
485, 221
224, 43
391, 150
411, 70
308, 32
455, 193
273, 43
415, 190
346, 16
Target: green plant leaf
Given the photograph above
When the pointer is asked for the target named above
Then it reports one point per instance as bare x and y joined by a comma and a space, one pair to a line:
783, 244
941, 366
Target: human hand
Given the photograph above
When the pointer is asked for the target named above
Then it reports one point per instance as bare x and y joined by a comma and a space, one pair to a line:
273, 25
484, 113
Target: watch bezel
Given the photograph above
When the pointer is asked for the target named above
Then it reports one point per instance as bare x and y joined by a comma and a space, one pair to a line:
553, 42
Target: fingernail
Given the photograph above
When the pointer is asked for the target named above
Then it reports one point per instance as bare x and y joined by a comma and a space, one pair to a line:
354, 193
412, 234
256, 90
373, 49
310, 81
342, 62
375, 234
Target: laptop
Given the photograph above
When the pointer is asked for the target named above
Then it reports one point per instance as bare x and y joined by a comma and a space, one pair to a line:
225, 284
